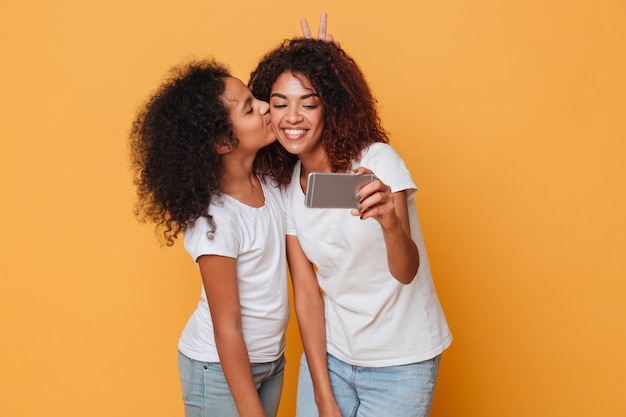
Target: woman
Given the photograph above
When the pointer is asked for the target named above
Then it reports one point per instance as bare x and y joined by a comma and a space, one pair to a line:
193, 147
370, 320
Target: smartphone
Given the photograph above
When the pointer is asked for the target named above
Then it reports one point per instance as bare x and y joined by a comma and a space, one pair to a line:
334, 190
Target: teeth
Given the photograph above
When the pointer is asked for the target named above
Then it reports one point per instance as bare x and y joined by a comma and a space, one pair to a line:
294, 132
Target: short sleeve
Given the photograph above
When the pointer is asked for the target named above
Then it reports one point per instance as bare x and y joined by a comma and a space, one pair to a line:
200, 239
387, 165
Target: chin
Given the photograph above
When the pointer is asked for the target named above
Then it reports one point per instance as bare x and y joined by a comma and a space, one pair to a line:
291, 149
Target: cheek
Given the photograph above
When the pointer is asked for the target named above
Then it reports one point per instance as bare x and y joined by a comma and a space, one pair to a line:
247, 130
275, 121
275, 130
275, 117
318, 123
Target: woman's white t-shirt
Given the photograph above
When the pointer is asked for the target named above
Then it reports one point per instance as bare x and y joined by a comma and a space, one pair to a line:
371, 319
256, 238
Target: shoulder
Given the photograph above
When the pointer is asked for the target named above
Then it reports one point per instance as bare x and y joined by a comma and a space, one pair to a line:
272, 191
381, 157
378, 150
223, 224
386, 163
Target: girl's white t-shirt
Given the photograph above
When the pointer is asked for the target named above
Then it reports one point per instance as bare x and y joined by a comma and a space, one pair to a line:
256, 238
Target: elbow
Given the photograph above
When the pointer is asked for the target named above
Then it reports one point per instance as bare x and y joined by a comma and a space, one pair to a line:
225, 331
405, 279
407, 274
302, 308
306, 304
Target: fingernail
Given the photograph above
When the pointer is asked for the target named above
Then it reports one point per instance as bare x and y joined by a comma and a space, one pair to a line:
357, 197
355, 170
360, 208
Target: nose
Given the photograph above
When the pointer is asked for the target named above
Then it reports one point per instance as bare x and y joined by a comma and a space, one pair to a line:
293, 114
264, 107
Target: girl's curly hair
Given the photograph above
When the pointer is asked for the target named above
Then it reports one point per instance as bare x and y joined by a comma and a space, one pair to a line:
172, 147
351, 121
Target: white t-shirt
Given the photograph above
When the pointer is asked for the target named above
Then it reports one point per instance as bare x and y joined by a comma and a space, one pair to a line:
371, 319
256, 238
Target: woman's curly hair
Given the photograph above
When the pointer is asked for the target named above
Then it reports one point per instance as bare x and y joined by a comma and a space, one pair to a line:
172, 147
351, 121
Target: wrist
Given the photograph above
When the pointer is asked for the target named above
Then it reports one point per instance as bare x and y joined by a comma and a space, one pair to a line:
392, 225
324, 397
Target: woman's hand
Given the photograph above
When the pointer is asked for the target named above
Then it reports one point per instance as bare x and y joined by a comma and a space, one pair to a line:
376, 201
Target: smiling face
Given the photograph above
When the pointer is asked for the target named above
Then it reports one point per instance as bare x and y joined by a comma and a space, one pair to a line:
297, 115
250, 117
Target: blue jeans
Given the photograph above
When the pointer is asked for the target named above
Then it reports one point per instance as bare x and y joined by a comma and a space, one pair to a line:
398, 391
206, 392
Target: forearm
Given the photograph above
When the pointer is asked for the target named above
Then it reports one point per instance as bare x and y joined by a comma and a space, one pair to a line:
219, 275
310, 315
309, 306
238, 372
402, 253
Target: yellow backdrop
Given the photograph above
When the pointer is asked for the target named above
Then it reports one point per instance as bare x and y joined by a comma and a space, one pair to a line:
510, 116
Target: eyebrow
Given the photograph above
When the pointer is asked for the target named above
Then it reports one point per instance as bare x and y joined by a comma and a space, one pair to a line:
304, 97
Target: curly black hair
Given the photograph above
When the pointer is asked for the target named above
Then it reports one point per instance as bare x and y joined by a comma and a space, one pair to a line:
351, 120
172, 147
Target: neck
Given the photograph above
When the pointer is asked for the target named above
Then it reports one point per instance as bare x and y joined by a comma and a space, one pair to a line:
319, 164
312, 165
243, 186
237, 174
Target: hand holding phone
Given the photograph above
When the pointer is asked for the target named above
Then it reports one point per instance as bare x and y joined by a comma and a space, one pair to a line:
334, 190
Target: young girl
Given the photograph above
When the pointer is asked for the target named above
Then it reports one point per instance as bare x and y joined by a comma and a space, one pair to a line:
374, 333
193, 148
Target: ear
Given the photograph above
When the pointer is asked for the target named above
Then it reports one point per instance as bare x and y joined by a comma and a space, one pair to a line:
222, 148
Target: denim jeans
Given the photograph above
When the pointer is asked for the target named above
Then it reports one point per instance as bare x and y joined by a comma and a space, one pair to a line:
398, 391
206, 392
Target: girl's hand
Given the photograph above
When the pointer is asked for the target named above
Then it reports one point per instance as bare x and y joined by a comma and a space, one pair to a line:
321, 32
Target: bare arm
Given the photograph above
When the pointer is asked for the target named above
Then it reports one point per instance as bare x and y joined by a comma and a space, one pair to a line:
219, 275
391, 212
309, 307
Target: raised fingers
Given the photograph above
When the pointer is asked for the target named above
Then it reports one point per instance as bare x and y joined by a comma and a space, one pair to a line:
321, 32
306, 31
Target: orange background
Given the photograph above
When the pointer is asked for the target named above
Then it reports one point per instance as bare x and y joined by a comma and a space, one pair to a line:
510, 116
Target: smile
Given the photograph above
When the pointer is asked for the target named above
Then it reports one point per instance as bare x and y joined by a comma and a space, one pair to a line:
294, 133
